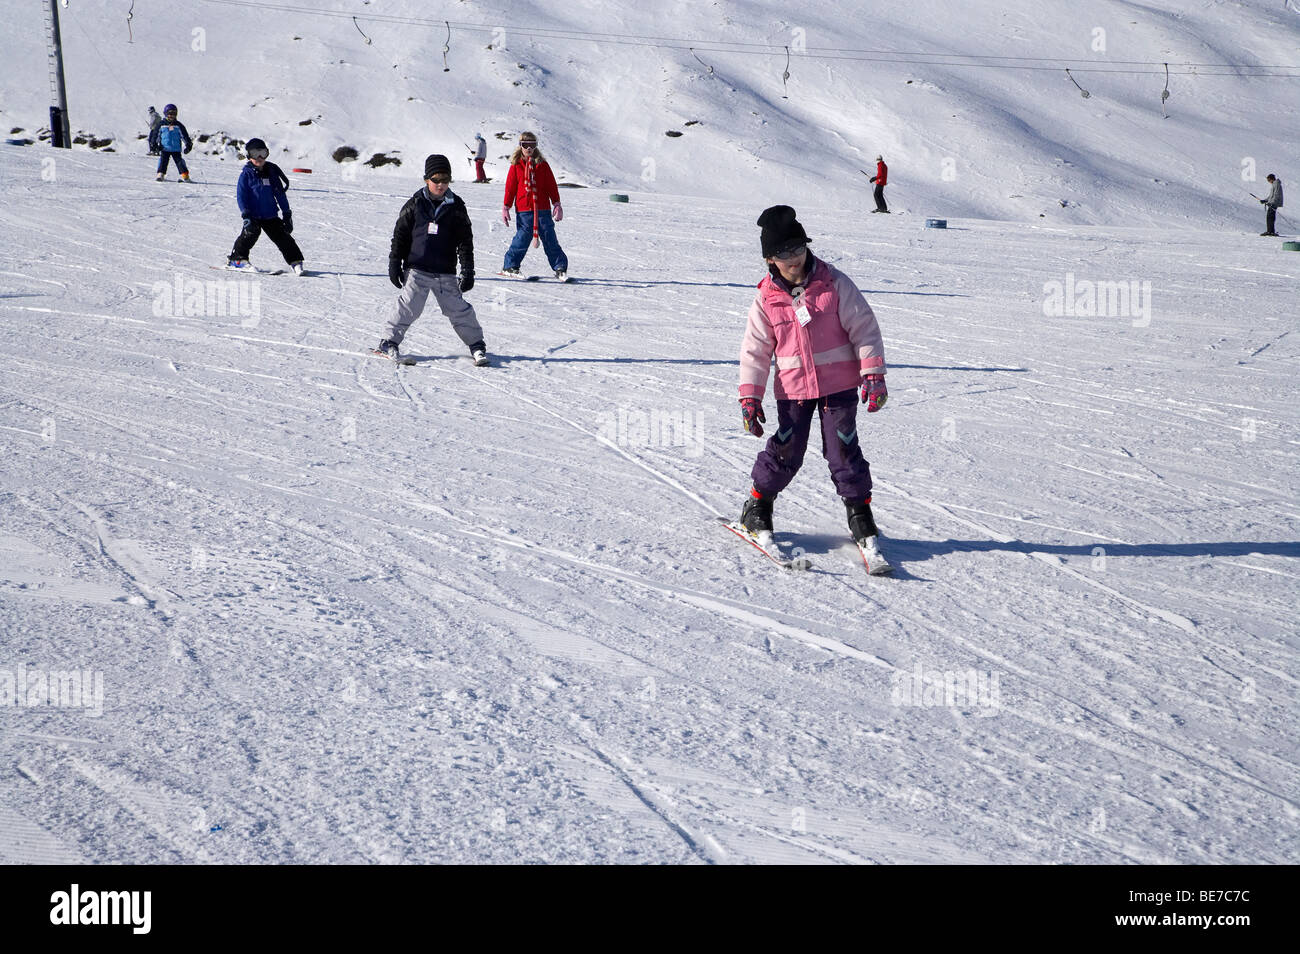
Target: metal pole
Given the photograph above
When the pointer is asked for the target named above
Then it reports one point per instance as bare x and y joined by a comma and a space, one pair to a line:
60, 132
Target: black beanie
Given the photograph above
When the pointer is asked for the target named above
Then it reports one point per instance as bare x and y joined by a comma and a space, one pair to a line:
781, 230
437, 165
254, 144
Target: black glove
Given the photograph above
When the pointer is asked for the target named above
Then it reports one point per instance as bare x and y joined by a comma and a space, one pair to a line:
248, 223
466, 281
288, 223
872, 179
188, 148
396, 274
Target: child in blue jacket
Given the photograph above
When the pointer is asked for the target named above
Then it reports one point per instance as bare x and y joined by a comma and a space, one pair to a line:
172, 136
261, 198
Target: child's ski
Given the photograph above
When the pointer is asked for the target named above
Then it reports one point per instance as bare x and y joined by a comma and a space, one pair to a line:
251, 269
872, 558
400, 359
766, 545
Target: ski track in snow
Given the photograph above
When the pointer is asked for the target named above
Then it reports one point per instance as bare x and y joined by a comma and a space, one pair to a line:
351, 611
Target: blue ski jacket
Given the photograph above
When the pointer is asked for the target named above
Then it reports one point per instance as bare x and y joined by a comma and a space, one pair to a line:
261, 194
171, 136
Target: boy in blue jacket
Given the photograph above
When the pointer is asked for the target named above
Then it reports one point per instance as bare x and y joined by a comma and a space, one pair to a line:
172, 136
261, 198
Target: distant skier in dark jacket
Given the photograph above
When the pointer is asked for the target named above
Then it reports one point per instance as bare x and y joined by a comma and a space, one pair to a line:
432, 231
155, 121
1272, 202
172, 136
261, 198
880, 178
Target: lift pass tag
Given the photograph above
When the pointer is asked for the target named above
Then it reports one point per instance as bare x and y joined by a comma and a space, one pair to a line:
801, 307
433, 228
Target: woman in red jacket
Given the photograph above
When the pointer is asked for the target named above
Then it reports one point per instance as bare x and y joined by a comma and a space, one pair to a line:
531, 189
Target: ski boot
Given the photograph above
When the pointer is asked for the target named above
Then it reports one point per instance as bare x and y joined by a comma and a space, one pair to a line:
509, 272
756, 515
561, 274
185, 177
862, 525
478, 351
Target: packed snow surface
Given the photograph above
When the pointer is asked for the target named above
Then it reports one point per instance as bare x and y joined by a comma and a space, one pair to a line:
324, 608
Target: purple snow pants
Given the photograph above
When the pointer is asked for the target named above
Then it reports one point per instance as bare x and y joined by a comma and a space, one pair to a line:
781, 459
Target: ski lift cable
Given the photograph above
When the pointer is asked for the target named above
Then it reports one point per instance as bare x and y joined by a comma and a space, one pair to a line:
931, 58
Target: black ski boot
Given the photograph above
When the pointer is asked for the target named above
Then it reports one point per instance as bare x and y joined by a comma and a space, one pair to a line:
756, 515
861, 523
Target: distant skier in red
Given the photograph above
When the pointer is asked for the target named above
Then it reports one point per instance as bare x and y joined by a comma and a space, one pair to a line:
880, 178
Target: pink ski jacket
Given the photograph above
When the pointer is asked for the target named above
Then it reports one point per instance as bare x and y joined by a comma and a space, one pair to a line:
830, 353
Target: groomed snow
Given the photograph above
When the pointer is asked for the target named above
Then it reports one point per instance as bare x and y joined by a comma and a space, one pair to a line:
349, 612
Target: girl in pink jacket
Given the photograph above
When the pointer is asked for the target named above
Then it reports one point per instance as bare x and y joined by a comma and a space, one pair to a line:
812, 322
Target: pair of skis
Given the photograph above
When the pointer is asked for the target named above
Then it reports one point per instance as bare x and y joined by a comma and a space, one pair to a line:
251, 269
764, 543
407, 361
536, 278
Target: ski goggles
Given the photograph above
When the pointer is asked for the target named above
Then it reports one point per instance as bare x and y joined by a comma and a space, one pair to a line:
528, 145
440, 180
258, 153
796, 252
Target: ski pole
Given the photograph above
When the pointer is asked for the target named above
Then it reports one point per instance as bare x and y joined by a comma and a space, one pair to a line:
1276, 213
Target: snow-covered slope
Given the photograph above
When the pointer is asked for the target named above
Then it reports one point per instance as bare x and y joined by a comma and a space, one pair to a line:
348, 611
970, 102
338, 610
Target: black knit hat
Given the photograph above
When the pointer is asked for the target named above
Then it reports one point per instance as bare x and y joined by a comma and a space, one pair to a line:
781, 230
255, 144
437, 165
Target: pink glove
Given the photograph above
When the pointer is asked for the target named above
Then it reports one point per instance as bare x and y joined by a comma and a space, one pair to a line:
874, 394
505, 214
751, 410
559, 212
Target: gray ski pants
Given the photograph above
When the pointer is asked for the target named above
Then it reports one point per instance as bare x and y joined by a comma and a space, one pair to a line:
446, 290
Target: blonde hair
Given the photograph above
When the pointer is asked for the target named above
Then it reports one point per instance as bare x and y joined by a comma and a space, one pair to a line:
519, 152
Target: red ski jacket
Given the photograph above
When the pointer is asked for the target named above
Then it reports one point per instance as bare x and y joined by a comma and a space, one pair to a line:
526, 195
882, 173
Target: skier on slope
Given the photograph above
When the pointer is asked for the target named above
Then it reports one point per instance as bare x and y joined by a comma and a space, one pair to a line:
433, 230
480, 156
260, 194
531, 188
880, 178
155, 122
172, 135
1271, 202
828, 350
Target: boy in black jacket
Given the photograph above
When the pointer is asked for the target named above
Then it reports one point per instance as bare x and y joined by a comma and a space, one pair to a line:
432, 231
